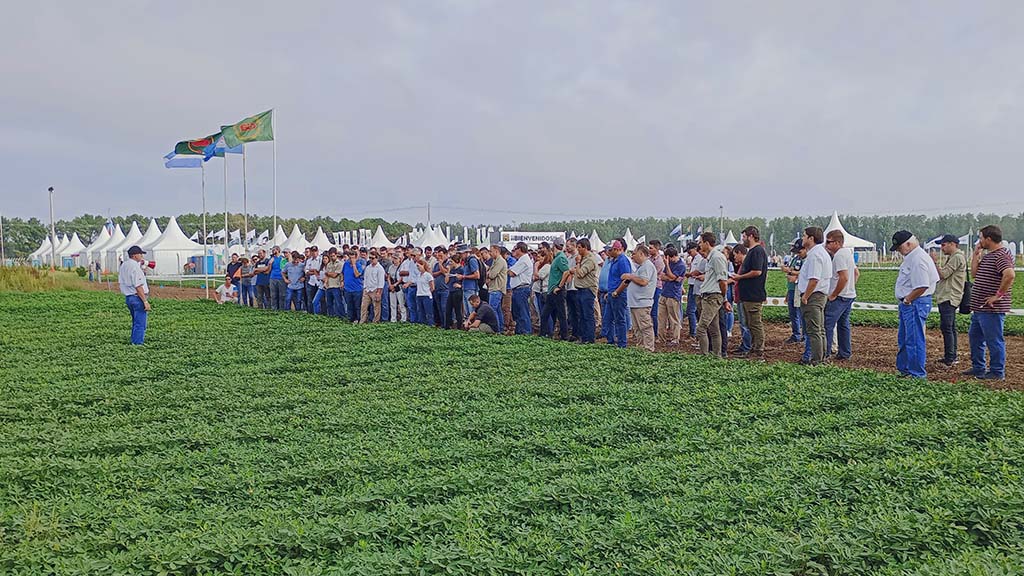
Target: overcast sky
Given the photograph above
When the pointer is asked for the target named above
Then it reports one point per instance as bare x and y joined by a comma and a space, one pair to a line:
518, 110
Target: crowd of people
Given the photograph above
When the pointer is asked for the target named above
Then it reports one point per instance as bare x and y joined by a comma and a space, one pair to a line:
582, 292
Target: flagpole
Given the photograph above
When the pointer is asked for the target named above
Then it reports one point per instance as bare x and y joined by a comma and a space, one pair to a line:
245, 206
226, 234
273, 128
206, 283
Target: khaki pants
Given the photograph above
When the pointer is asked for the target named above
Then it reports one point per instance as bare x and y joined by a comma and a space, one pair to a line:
364, 307
755, 323
506, 310
707, 327
483, 329
643, 327
668, 319
814, 319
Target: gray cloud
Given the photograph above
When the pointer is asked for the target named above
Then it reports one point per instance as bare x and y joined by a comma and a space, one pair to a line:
595, 108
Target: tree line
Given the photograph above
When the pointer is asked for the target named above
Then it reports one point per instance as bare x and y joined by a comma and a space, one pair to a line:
21, 236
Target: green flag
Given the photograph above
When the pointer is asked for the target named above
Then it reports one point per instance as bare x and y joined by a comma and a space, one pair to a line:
195, 147
256, 128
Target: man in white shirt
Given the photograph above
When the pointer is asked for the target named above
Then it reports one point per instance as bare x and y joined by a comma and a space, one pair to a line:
373, 290
640, 296
814, 285
407, 275
312, 273
132, 282
841, 296
915, 285
695, 275
520, 276
226, 292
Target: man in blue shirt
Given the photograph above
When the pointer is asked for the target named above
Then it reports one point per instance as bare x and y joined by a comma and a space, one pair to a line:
617, 305
440, 273
278, 288
295, 278
602, 290
470, 279
353, 273
670, 303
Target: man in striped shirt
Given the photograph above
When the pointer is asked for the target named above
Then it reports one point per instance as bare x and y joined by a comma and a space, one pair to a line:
992, 266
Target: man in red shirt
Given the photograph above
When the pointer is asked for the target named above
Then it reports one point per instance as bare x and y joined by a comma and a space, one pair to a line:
992, 267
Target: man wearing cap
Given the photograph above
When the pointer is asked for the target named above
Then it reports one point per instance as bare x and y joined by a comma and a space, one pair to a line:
352, 274
585, 276
814, 284
792, 271
915, 285
992, 266
520, 278
554, 306
618, 307
949, 291
135, 289
497, 283
278, 287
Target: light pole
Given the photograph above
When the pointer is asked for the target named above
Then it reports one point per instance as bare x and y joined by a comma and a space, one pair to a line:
3, 253
53, 235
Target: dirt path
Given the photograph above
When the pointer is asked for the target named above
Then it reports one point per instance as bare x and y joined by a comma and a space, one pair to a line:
873, 348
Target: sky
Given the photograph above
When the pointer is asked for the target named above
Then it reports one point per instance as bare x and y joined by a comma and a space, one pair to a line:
510, 111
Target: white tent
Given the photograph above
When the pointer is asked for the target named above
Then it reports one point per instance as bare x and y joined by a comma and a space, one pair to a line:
44, 247
321, 241
296, 241
94, 253
730, 239
114, 254
172, 250
101, 238
62, 244
849, 240
596, 244
152, 235
432, 237
278, 240
74, 248
630, 241
379, 240
442, 238
116, 237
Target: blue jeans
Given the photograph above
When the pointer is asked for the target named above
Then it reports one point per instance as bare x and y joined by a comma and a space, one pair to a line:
296, 296
353, 302
425, 310
138, 311
606, 319
691, 310
410, 303
585, 301
317, 299
654, 309
912, 354
554, 309
494, 299
837, 316
619, 310
247, 295
987, 332
441, 308
796, 321
521, 309
334, 302
385, 305
278, 294
572, 311
745, 337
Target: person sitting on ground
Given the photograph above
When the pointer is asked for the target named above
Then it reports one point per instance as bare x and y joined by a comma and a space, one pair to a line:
226, 292
483, 319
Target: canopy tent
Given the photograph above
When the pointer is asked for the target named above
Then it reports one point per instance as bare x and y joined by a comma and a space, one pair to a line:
321, 241
116, 237
278, 240
630, 241
172, 249
44, 247
94, 253
849, 240
101, 238
441, 237
295, 242
432, 238
596, 244
62, 243
152, 235
379, 240
73, 248
730, 239
114, 254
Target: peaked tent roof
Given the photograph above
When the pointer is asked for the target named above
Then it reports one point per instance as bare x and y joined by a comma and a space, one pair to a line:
101, 237
44, 246
849, 240
596, 244
279, 237
321, 241
130, 239
379, 240
152, 235
730, 239
74, 246
174, 239
630, 241
296, 241
62, 243
96, 249
115, 238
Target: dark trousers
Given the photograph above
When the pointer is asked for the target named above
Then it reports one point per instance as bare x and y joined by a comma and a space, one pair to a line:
278, 294
425, 310
947, 324
618, 310
263, 296
572, 311
454, 310
606, 318
654, 310
353, 303
691, 310
585, 301
521, 309
309, 294
333, 301
554, 309
796, 320
410, 303
440, 307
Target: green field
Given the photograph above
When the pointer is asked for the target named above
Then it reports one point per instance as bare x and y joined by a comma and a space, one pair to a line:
244, 442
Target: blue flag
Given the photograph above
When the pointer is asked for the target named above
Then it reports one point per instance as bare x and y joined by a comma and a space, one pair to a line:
677, 230
184, 162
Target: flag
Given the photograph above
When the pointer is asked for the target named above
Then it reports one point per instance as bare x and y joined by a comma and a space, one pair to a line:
236, 236
219, 151
256, 128
194, 237
176, 162
677, 230
195, 147
251, 235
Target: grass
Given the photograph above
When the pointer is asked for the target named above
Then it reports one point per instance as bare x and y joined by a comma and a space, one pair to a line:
244, 442
28, 279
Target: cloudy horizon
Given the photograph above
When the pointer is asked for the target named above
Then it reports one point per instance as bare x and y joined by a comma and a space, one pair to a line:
500, 112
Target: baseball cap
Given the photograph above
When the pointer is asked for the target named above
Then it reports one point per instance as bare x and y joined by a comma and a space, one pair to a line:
899, 238
135, 250
798, 245
463, 248
276, 247
558, 242
950, 238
